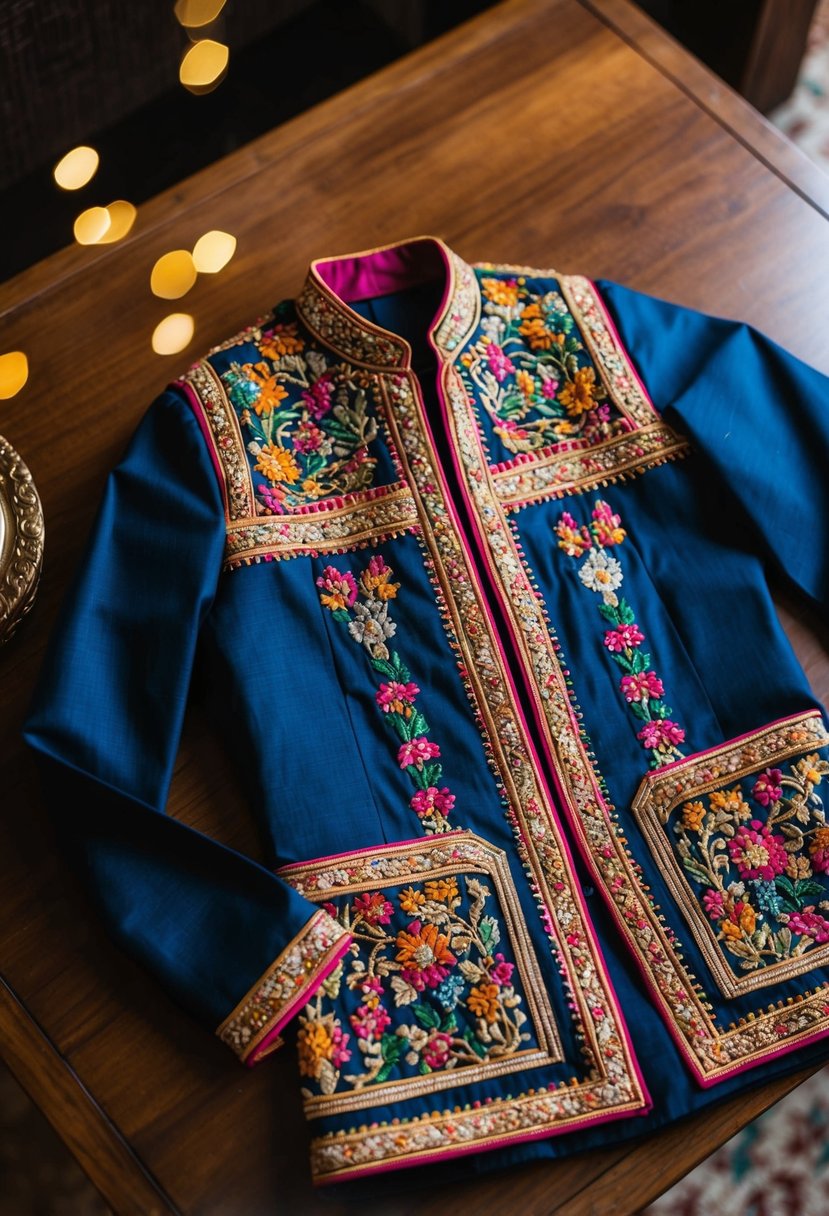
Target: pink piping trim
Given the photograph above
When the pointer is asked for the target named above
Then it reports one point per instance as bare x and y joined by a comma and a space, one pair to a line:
494, 630
695, 756
614, 331
544, 1133
193, 400
784, 1048
302, 998
378, 848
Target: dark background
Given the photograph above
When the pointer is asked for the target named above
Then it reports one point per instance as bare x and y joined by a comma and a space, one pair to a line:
105, 72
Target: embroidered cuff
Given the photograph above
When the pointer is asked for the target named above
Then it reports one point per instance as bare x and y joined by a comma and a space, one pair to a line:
252, 1028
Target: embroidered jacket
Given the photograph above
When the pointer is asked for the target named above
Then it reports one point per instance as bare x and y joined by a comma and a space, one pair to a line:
473, 560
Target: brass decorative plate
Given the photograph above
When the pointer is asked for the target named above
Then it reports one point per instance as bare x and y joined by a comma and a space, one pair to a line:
21, 540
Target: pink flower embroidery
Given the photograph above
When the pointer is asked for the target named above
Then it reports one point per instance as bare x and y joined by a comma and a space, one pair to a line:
308, 438
338, 588
819, 851
374, 908
437, 1050
394, 696
501, 972
712, 901
757, 852
661, 732
767, 787
809, 923
499, 364
318, 398
369, 1023
549, 389
642, 687
623, 637
572, 538
432, 799
417, 751
607, 527
339, 1053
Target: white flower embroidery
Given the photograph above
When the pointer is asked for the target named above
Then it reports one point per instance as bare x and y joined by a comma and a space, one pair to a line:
602, 573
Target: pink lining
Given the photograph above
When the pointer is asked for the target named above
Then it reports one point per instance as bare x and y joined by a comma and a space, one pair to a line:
302, 997
612, 327
383, 270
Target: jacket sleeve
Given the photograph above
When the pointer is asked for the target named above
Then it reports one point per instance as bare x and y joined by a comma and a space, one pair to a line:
227, 939
758, 415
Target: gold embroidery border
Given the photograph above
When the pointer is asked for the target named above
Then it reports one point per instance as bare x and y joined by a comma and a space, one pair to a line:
609, 356
658, 796
290, 978
375, 518
711, 1052
225, 440
463, 853
560, 472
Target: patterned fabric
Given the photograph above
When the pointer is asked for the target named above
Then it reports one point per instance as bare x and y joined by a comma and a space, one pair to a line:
476, 586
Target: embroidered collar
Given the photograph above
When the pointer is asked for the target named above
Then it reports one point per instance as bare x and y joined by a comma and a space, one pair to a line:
332, 282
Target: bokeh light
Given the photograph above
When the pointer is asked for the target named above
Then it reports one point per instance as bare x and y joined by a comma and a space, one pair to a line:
213, 251
121, 219
194, 13
14, 372
173, 275
204, 65
76, 168
91, 225
173, 333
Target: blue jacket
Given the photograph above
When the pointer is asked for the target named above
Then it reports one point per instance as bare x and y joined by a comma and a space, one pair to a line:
474, 564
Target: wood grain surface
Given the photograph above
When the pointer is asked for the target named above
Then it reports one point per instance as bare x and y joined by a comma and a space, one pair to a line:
536, 134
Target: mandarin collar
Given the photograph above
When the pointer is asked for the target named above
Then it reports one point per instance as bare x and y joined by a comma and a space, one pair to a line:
332, 282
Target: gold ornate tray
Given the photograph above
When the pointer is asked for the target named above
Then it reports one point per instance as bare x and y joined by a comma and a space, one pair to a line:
21, 540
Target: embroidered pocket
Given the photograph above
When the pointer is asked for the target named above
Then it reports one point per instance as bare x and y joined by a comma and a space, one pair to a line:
740, 834
441, 976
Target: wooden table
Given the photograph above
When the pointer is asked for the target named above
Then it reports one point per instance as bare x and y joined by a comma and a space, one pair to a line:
572, 134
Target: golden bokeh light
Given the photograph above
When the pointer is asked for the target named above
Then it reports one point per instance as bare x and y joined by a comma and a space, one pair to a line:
204, 65
173, 333
213, 251
194, 13
14, 372
121, 219
91, 225
173, 275
76, 168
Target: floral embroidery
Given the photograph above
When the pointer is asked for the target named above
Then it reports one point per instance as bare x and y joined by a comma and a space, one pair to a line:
757, 869
370, 624
601, 572
424, 994
532, 372
306, 421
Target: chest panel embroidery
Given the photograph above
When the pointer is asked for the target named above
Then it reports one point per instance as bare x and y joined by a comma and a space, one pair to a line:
601, 572
295, 435
741, 835
440, 977
363, 605
557, 384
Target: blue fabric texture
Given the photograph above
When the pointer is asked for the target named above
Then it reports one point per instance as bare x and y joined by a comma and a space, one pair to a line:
474, 564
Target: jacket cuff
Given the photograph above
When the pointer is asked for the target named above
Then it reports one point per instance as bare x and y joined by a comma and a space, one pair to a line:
252, 1028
